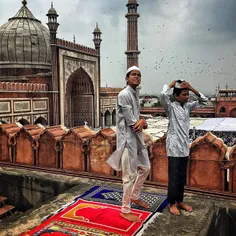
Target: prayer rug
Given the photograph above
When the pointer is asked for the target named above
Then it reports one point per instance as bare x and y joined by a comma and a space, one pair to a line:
90, 218
105, 194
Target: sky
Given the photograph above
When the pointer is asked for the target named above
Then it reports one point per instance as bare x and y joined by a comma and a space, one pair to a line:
193, 40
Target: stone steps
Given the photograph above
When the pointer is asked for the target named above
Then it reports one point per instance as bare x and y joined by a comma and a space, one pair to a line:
3, 207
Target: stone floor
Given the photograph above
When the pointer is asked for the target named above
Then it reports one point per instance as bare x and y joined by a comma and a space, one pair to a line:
187, 224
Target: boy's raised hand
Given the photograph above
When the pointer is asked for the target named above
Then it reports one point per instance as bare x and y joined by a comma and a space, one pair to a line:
185, 85
172, 84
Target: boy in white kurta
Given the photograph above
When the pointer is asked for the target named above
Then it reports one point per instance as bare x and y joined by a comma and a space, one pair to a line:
177, 140
131, 155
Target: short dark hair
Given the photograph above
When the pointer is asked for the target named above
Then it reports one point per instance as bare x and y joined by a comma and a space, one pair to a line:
177, 91
127, 76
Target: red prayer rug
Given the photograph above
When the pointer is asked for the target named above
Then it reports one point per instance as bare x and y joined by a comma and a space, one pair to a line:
90, 218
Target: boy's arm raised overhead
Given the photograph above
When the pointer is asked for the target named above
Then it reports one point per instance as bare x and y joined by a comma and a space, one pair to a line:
165, 96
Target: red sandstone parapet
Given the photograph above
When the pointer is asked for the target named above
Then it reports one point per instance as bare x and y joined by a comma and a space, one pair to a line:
207, 155
80, 150
50, 147
7, 134
74, 149
77, 47
232, 176
26, 144
12, 86
159, 162
101, 146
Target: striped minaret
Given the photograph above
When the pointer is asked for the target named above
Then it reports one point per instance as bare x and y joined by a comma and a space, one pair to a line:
132, 33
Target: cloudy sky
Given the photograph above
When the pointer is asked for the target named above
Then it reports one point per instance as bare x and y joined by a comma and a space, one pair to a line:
193, 40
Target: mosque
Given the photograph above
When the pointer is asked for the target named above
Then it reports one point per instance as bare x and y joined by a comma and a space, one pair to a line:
47, 80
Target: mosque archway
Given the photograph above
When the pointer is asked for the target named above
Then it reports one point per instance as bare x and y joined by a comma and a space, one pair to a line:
79, 99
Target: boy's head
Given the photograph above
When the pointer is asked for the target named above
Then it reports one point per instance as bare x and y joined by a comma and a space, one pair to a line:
180, 94
133, 76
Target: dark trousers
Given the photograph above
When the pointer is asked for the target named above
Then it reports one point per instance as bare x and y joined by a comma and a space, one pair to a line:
177, 167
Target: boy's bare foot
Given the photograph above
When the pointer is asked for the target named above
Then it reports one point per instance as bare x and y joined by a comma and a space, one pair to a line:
130, 217
184, 206
140, 203
174, 210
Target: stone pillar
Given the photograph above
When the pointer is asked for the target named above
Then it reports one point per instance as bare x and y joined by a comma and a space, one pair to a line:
97, 42
53, 25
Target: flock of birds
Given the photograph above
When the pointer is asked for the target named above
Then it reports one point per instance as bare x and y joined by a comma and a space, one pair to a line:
165, 58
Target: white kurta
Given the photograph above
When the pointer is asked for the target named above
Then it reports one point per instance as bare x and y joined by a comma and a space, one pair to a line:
177, 141
127, 114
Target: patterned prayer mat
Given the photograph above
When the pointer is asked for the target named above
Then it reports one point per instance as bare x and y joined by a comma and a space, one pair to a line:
90, 218
105, 194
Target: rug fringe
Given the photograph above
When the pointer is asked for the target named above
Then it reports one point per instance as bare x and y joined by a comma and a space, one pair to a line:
145, 225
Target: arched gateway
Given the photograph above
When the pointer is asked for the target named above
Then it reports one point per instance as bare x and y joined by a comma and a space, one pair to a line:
79, 99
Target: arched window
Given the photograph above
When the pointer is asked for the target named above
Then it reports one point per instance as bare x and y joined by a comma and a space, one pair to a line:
107, 117
41, 121
23, 121
222, 109
114, 117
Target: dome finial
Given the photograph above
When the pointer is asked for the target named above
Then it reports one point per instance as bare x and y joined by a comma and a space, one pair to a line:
24, 2
51, 4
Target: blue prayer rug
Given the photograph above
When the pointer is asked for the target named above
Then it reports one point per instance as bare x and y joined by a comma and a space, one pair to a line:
105, 194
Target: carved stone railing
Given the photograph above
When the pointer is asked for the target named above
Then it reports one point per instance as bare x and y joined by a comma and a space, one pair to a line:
81, 151
77, 47
13, 86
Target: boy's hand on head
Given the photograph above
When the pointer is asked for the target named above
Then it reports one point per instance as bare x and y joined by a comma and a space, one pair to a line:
185, 85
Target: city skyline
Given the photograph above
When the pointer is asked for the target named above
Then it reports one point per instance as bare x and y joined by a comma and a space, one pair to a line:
195, 41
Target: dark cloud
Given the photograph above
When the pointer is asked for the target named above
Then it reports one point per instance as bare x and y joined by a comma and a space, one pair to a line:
211, 20
190, 39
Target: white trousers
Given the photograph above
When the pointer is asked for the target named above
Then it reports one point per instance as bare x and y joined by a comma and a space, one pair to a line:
132, 181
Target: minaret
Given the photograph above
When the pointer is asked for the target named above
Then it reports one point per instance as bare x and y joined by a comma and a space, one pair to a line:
53, 25
132, 33
97, 38
97, 43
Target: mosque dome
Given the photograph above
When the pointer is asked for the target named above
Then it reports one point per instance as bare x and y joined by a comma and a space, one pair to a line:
24, 43
52, 11
97, 30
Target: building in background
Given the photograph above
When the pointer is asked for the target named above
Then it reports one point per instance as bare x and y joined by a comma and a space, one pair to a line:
47, 80
108, 105
44, 79
226, 103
